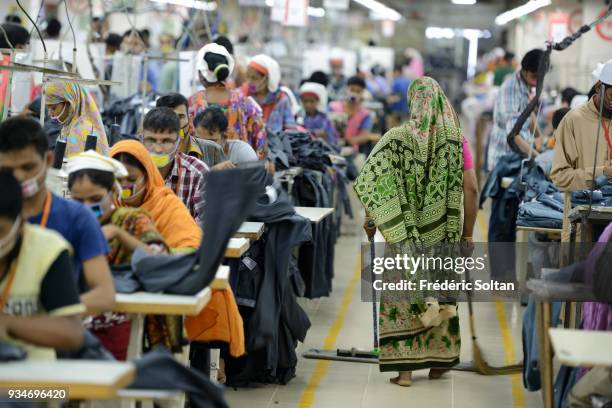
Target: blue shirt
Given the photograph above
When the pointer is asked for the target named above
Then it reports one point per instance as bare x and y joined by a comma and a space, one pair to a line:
400, 88
79, 226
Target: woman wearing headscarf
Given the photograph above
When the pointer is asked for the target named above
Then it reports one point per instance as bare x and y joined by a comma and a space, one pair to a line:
263, 76
92, 180
144, 188
75, 109
412, 185
244, 116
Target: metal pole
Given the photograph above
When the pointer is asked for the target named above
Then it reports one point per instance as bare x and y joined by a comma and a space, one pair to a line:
144, 85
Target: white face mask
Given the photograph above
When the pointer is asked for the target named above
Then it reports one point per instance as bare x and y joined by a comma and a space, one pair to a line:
57, 118
8, 243
30, 187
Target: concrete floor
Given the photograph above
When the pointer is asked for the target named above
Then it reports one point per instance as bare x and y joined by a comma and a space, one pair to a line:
344, 320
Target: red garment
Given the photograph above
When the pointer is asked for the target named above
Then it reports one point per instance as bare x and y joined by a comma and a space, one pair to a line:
115, 339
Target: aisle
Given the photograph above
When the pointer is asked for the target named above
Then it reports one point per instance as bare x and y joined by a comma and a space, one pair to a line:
343, 320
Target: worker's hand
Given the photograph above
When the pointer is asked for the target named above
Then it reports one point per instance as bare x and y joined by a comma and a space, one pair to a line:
374, 137
466, 247
369, 227
321, 134
224, 166
607, 171
110, 231
270, 167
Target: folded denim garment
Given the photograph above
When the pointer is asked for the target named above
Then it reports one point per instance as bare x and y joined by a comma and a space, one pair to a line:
550, 201
536, 214
581, 197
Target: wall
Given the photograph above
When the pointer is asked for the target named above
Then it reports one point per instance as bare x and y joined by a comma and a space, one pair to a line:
573, 66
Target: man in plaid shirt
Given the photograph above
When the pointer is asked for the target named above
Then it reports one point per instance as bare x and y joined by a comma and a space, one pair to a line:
183, 174
513, 98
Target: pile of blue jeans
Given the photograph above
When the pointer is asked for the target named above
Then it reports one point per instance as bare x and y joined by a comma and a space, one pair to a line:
601, 196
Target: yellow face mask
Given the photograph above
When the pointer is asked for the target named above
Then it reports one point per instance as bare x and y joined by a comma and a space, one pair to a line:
161, 160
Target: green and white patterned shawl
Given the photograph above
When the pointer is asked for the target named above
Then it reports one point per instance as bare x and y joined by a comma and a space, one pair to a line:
412, 182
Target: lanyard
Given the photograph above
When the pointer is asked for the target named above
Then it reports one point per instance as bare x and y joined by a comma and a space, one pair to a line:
9, 283
607, 136
46, 209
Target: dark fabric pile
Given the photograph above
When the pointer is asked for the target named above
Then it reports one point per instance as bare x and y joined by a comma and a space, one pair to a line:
266, 295
322, 184
229, 197
159, 369
126, 114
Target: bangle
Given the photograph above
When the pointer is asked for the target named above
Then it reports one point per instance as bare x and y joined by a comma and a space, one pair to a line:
466, 238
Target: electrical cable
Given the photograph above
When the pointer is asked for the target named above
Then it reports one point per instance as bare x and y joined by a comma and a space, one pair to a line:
542, 70
35, 26
70, 24
42, 4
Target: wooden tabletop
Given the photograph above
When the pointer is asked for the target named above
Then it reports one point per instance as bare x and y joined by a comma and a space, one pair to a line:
540, 230
314, 214
84, 379
582, 348
597, 213
158, 303
251, 230
221, 280
237, 247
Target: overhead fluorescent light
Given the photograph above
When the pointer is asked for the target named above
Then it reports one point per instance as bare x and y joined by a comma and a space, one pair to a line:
316, 12
379, 10
437, 33
195, 4
529, 7
464, 2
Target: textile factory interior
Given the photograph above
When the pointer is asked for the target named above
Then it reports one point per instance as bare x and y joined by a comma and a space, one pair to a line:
306, 203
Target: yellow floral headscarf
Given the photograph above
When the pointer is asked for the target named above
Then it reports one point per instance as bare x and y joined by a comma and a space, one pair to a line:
83, 119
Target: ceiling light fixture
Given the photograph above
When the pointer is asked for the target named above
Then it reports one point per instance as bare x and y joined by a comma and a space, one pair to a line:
195, 4
529, 7
464, 2
318, 12
379, 10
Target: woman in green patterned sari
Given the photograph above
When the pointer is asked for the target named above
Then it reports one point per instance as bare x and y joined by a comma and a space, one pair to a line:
412, 187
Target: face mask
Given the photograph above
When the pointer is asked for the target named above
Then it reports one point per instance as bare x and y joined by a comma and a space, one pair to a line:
253, 88
129, 190
100, 208
353, 98
8, 243
30, 187
57, 118
162, 160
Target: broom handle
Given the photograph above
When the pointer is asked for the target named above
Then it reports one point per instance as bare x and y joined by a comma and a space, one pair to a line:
372, 256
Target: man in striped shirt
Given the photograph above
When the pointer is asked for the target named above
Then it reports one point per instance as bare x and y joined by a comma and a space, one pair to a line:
514, 96
183, 174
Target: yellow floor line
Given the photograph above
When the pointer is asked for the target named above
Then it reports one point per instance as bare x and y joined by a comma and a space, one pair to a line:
518, 393
330, 341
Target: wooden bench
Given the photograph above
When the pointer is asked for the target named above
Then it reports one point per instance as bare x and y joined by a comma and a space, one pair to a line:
251, 230
237, 247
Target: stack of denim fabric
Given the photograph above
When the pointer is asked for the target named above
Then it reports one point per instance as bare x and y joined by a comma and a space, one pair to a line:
601, 196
